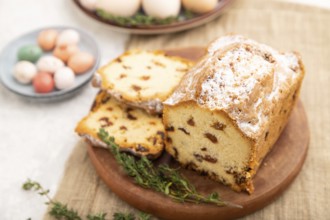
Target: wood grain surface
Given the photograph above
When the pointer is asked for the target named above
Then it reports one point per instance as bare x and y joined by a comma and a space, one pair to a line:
283, 26
274, 176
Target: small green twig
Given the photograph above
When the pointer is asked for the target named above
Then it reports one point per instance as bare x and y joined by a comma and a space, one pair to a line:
57, 210
61, 211
32, 185
130, 216
99, 216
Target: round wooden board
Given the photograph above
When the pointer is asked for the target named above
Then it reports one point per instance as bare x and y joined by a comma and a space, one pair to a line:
277, 172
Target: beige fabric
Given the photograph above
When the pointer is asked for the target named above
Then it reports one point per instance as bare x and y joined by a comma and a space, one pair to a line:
285, 27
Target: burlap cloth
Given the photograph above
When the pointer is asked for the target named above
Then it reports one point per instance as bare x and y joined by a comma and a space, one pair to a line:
284, 26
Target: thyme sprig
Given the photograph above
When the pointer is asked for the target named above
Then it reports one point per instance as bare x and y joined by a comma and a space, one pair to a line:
57, 209
61, 211
136, 20
141, 19
130, 216
163, 178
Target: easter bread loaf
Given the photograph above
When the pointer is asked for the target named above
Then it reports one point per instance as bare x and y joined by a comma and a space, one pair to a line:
229, 109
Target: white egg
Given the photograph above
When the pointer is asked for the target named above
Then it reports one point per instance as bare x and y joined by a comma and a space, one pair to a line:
124, 8
49, 64
68, 37
64, 78
89, 4
24, 72
161, 8
199, 6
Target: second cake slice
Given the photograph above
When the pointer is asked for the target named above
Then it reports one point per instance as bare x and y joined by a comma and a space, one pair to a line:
134, 130
143, 79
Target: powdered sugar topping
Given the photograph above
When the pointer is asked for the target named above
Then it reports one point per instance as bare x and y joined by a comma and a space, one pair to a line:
241, 77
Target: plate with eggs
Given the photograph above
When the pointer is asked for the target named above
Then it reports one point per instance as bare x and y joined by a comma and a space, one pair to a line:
150, 16
50, 63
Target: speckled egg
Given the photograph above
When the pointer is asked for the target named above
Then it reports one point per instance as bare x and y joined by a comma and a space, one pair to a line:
64, 78
124, 8
47, 39
29, 53
68, 37
161, 8
81, 62
199, 6
24, 72
64, 52
49, 64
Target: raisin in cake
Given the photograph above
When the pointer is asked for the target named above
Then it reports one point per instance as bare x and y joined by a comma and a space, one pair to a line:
230, 109
142, 79
134, 130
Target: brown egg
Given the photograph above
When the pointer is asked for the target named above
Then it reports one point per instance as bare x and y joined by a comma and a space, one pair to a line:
80, 62
47, 39
64, 52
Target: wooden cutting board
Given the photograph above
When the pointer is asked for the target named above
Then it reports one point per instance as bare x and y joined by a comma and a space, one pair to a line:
276, 173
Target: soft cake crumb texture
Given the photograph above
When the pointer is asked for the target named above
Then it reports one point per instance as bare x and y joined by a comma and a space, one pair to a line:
142, 76
133, 129
227, 151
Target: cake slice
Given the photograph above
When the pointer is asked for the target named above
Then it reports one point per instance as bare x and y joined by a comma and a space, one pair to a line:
134, 130
142, 79
230, 109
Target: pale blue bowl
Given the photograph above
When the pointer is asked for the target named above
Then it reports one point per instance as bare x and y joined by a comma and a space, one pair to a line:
8, 59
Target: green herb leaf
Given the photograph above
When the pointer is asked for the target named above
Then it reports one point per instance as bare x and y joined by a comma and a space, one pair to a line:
123, 216
100, 216
31, 185
189, 14
60, 211
144, 216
